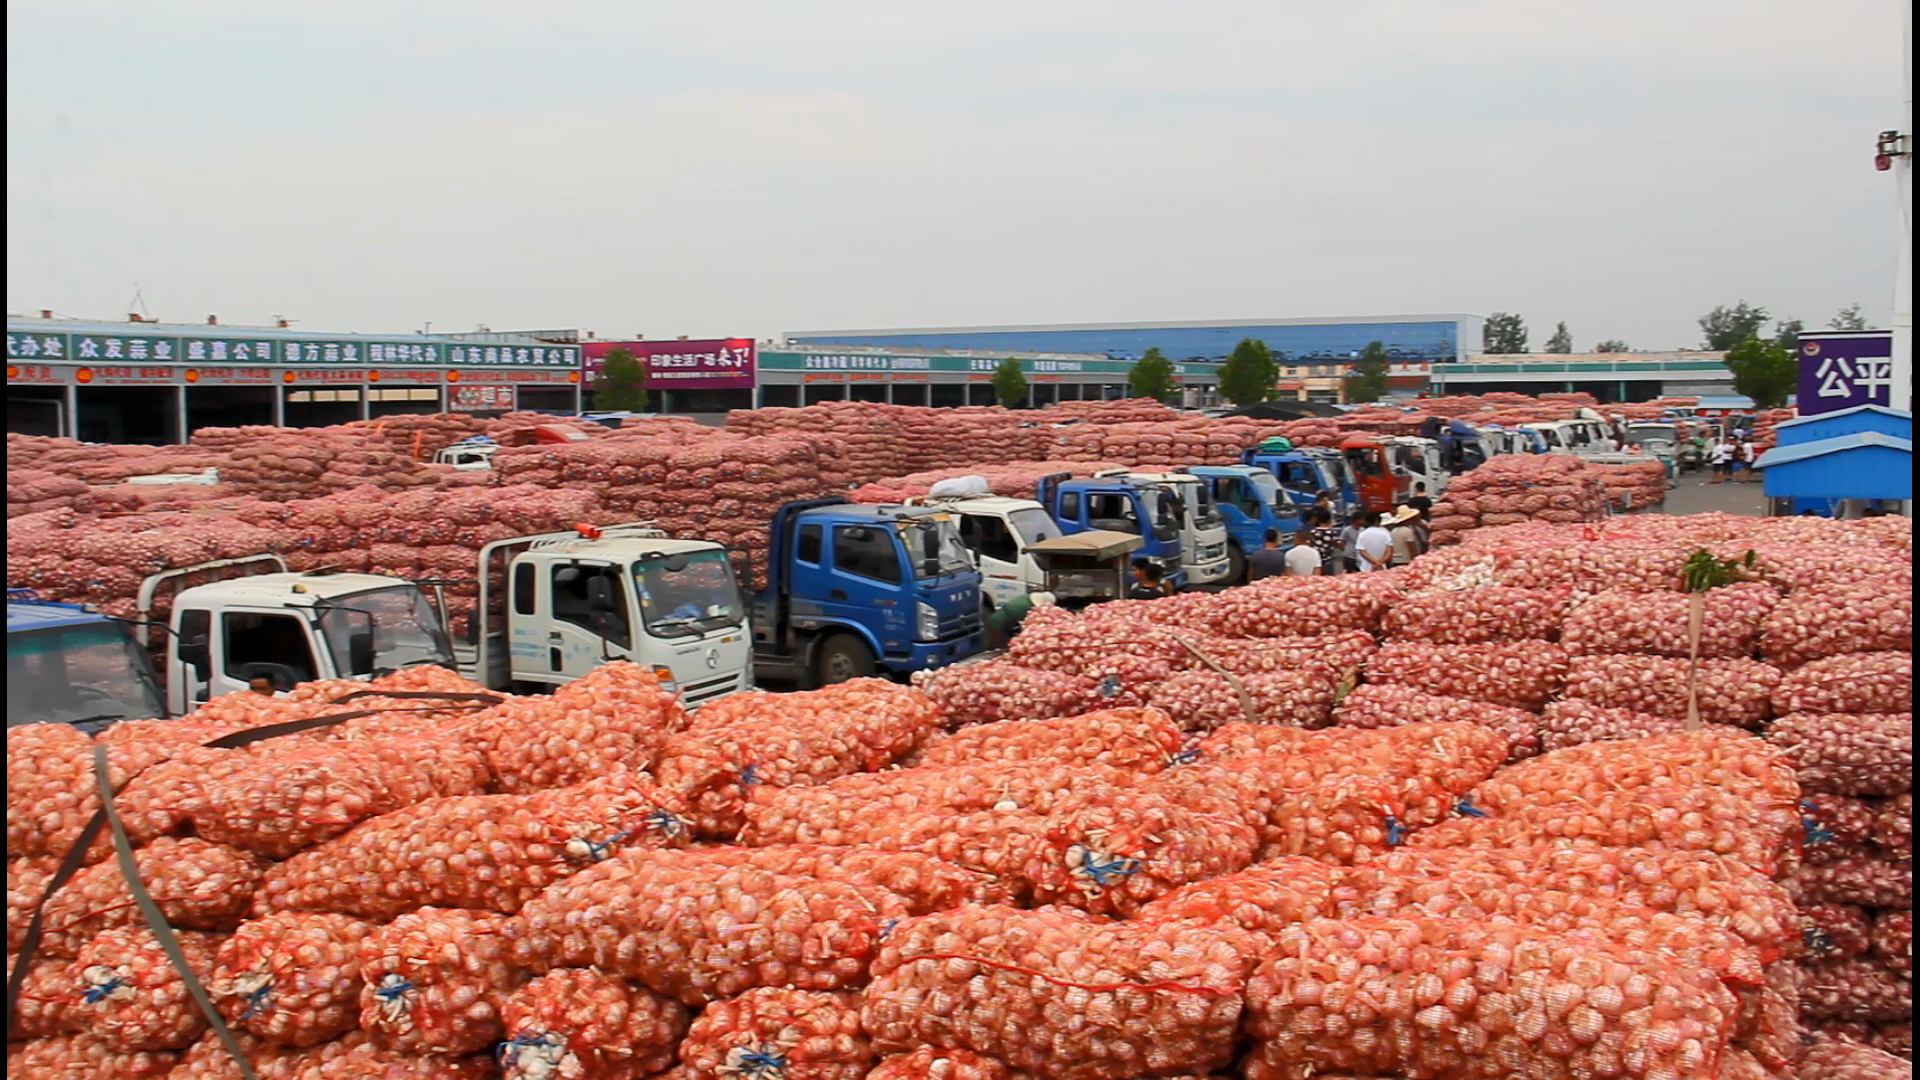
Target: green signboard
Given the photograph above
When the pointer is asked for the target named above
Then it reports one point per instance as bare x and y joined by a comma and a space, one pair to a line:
220, 346
889, 363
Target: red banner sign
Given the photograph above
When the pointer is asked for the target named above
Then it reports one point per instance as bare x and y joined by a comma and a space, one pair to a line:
718, 364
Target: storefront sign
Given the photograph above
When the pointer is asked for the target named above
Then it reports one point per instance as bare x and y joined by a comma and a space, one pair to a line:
718, 364
972, 366
493, 398
229, 376
515, 355
220, 346
36, 373
1844, 369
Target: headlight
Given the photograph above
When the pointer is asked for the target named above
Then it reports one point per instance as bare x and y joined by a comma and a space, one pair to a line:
927, 622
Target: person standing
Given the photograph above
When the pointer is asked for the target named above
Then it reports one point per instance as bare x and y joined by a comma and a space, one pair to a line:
1269, 561
1403, 528
1302, 560
1148, 582
1721, 458
1005, 621
1373, 545
1326, 540
1350, 539
1749, 454
1420, 501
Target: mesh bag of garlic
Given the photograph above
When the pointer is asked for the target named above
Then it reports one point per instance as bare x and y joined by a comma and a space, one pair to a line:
1387, 705
129, 995
1879, 682
922, 882
1802, 627
697, 932
197, 885
1060, 994
1658, 624
1139, 739
1477, 616
292, 977
47, 1005
432, 980
778, 1034
930, 1063
63, 1057
588, 1025
1517, 675
1460, 997
616, 716
492, 852
1843, 1059
983, 691
1726, 691
1204, 699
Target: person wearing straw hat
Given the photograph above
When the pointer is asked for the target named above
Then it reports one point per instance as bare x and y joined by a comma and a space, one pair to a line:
1404, 536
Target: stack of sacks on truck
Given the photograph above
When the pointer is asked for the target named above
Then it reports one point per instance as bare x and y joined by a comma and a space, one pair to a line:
1512, 488
1015, 479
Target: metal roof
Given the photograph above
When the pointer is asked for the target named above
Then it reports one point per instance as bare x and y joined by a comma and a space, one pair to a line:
1786, 455
106, 328
42, 615
799, 336
1862, 465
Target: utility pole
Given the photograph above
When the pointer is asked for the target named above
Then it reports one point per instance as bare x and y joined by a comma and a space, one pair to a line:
1900, 384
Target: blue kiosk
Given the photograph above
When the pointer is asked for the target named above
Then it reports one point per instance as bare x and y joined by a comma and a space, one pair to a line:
1831, 461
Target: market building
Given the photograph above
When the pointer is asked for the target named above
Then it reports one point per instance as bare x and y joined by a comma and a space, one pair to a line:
1314, 354
149, 382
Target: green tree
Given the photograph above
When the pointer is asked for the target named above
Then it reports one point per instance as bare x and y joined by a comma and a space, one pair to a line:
621, 384
1367, 379
1786, 334
1561, 341
1155, 377
1763, 371
1504, 333
1724, 327
1849, 318
1612, 345
1010, 384
1249, 373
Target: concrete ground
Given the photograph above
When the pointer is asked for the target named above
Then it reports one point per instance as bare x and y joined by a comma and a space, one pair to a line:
1696, 495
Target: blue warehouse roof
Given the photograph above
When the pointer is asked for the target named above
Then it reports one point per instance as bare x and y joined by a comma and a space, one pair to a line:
1806, 429
1861, 465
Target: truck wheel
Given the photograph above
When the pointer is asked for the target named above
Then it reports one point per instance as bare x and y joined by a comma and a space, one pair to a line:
842, 657
1236, 565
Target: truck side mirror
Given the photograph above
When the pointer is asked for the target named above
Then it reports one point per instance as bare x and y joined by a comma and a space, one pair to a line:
600, 595
194, 653
360, 652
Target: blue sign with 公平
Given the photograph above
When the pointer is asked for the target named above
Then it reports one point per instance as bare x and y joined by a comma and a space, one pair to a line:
1842, 369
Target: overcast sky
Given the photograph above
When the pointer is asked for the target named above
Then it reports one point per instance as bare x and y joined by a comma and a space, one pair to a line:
749, 168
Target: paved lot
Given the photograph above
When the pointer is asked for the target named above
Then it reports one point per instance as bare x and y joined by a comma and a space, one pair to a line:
1696, 495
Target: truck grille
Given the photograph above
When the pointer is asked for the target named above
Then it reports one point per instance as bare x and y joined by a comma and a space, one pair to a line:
1213, 553
695, 693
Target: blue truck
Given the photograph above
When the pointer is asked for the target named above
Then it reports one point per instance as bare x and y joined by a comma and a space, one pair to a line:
854, 590
69, 664
1117, 504
1250, 501
1304, 472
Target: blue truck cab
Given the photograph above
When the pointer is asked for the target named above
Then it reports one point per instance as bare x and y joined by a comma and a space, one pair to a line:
67, 664
1304, 473
1462, 447
855, 590
1250, 501
1117, 504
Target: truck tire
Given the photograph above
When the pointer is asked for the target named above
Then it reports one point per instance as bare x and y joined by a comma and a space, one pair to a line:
1236, 565
840, 658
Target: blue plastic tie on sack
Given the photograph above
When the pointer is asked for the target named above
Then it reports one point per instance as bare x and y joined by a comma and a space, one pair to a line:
99, 991
667, 822
763, 1063
256, 1000
1109, 686
1185, 757
1103, 872
1465, 808
750, 775
392, 990
1396, 832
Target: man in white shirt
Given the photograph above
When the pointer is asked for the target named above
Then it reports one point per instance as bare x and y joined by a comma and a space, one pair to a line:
1303, 559
1747, 456
1374, 545
1721, 459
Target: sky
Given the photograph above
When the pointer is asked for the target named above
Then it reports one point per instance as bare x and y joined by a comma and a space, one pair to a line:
748, 168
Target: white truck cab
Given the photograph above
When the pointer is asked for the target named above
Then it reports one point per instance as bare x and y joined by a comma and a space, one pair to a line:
626, 592
1419, 461
292, 628
1203, 533
467, 454
998, 530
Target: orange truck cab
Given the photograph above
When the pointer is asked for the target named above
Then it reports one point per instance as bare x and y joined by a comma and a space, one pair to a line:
1370, 464
558, 433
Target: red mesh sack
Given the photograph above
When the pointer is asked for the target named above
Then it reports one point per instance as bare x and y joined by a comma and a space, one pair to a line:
614, 717
197, 885
922, 882
778, 1034
209, 1059
50, 789
1112, 851
1518, 675
928, 1063
983, 691
1571, 722
47, 1005
1202, 700
1893, 940
1835, 931
26, 882
1879, 682
1658, 623
65, 1057
1445, 997
292, 978
1272, 607
686, 931
1857, 879
1803, 626
1840, 1059
433, 981
1479, 615
1729, 691
1893, 827
1734, 760
1059, 995
1848, 753
481, 851
293, 796
129, 994
1343, 652
1858, 989
1139, 739
1387, 705
576, 1022
1836, 823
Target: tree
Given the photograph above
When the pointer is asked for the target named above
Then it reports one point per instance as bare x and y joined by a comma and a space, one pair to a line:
1763, 371
621, 385
1849, 318
1612, 345
1010, 384
1561, 341
1155, 377
1786, 334
1724, 327
1367, 380
1504, 333
1249, 373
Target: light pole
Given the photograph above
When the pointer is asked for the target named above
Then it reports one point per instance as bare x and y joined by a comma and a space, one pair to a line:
1900, 382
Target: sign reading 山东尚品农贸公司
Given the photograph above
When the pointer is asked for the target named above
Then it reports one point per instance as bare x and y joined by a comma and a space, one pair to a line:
34, 344
1842, 369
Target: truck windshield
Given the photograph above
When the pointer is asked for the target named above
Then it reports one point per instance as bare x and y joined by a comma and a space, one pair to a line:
1032, 525
1164, 511
1267, 490
688, 594
405, 630
1649, 433
1200, 500
88, 676
935, 547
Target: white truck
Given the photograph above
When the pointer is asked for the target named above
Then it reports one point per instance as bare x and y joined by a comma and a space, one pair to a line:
1205, 550
1421, 461
998, 530
574, 600
469, 454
